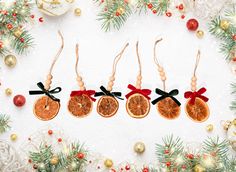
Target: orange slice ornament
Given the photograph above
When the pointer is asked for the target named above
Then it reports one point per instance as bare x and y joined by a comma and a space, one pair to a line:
196, 106
167, 105
108, 105
47, 107
81, 101
138, 100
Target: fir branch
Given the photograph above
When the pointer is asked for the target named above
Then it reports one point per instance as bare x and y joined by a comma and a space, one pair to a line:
4, 123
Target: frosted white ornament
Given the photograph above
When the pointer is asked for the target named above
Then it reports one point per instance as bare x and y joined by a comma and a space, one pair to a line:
54, 7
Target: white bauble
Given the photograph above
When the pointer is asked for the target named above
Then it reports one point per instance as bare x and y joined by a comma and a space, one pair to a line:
54, 7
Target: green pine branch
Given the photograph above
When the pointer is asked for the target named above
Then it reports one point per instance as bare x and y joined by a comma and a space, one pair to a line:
4, 123
160, 6
233, 103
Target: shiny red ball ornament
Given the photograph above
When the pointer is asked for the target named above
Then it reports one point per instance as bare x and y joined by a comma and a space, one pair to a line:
50, 132
150, 5
41, 19
9, 26
168, 14
22, 40
190, 156
80, 155
168, 164
59, 140
19, 100
127, 167
234, 37
192, 24
117, 14
154, 11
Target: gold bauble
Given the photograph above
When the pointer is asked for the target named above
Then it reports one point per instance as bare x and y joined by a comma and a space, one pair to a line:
54, 160
13, 137
17, 33
77, 12
234, 122
200, 34
8, 91
224, 24
108, 163
121, 10
139, 147
199, 168
10, 60
209, 127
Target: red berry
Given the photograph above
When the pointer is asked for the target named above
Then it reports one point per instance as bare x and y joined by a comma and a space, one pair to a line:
150, 5
168, 164
19, 100
184, 167
234, 37
102, 1
32, 16
127, 167
192, 24
50, 132
41, 19
183, 16
113, 170
80, 155
29, 161
190, 156
145, 169
117, 14
168, 14
59, 140
9, 26
181, 7
22, 40
154, 11
234, 59
14, 14
166, 151
1, 44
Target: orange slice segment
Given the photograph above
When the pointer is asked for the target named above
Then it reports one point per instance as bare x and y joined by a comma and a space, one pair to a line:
168, 108
80, 106
45, 108
107, 106
199, 111
137, 106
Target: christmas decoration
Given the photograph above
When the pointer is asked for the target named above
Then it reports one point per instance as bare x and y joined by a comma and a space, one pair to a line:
13, 137
10, 61
167, 105
200, 34
209, 127
19, 100
108, 105
230, 128
139, 147
196, 107
192, 24
108, 163
14, 16
81, 102
8, 91
77, 12
223, 27
4, 123
47, 107
137, 104
54, 7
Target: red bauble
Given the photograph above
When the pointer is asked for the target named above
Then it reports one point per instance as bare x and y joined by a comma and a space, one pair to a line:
145, 169
234, 37
168, 164
80, 155
154, 11
19, 100
41, 19
190, 156
59, 140
192, 24
127, 167
150, 5
168, 14
50, 132
22, 40
9, 26
117, 14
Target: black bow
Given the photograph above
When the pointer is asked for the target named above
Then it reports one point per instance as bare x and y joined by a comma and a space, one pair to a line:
105, 92
164, 94
46, 92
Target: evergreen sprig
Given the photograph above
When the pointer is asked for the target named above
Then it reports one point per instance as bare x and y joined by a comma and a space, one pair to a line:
4, 123
159, 7
233, 103
13, 34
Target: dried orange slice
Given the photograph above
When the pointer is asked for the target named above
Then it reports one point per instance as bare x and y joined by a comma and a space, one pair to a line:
80, 106
45, 108
168, 108
198, 111
107, 106
137, 106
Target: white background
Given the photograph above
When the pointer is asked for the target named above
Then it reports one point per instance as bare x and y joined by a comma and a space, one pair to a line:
115, 137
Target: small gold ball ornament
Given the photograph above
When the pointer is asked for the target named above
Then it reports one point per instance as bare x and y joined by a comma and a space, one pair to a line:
209, 128
224, 24
139, 147
199, 168
10, 61
8, 92
77, 12
121, 10
54, 160
108, 163
17, 33
13, 137
200, 34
